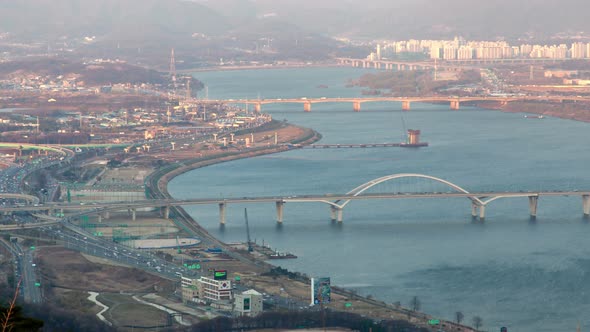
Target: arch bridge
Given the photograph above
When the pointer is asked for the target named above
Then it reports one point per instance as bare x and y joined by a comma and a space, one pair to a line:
337, 203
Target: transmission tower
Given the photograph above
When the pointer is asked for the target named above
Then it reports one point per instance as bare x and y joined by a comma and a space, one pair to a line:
173, 69
188, 88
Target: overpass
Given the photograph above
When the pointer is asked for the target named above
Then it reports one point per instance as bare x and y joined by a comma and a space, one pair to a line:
336, 202
40, 147
454, 101
29, 199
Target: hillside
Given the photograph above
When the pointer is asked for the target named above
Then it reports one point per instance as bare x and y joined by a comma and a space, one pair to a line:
129, 19
420, 18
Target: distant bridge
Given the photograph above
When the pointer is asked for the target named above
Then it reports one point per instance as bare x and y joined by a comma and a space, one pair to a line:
453, 65
336, 202
454, 101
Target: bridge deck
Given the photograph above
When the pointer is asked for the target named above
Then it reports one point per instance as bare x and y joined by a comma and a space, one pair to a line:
366, 145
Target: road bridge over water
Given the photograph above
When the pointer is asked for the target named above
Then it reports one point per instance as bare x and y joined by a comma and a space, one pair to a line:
454, 65
335, 202
454, 101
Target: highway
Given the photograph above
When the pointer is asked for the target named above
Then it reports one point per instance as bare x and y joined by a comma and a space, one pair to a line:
77, 239
31, 292
25, 272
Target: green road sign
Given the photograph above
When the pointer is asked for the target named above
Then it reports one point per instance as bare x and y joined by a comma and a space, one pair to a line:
32, 248
347, 304
434, 322
237, 278
37, 284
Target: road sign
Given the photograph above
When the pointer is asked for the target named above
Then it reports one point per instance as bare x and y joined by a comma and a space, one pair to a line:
347, 305
32, 248
434, 322
37, 284
237, 278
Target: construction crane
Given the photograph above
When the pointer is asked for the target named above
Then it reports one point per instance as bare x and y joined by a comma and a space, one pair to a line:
250, 248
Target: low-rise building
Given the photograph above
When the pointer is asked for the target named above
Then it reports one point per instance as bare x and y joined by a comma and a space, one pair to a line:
249, 303
206, 290
190, 289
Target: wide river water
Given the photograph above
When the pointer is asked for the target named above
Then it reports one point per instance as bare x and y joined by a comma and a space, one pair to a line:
528, 276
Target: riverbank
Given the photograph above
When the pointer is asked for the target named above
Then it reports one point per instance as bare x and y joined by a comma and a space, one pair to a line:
258, 67
271, 283
567, 111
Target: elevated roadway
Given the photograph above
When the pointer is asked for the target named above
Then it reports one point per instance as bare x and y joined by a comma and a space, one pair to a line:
335, 201
479, 200
454, 101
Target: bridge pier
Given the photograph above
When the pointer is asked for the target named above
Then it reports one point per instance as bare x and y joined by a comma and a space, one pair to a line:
166, 212
586, 205
258, 107
107, 214
405, 105
473, 211
356, 106
336, 214
307, 106
133, 214
455, 104
222, 213
280, 205
533, 206
482, 212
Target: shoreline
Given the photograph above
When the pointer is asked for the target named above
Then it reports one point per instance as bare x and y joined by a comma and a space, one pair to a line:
256, 67
159, 180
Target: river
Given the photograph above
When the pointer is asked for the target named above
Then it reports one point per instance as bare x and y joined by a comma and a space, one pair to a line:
509, 270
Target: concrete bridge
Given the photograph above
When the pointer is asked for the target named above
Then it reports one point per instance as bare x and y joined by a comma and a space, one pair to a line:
451, 65
335, 202
454, 101
27, 199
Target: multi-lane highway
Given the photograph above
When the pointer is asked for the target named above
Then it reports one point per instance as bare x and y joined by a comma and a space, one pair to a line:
24, 271
77, 239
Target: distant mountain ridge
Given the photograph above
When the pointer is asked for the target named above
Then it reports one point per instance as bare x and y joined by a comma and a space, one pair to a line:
142, 19
111, 18
406, 19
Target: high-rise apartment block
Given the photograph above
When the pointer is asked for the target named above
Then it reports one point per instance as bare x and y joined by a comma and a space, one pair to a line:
460, 49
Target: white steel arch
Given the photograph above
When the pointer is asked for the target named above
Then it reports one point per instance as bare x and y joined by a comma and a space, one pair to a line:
366, 186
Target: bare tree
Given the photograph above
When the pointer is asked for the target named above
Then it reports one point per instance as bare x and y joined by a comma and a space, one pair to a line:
477, 322
459, 317
415, 303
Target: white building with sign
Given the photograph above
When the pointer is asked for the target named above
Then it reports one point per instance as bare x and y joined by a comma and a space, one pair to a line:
249, 303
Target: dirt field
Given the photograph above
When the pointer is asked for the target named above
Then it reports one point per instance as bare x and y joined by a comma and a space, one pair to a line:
264, 138
73, 299
146, 224
124, 310
68, 269
126, 175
